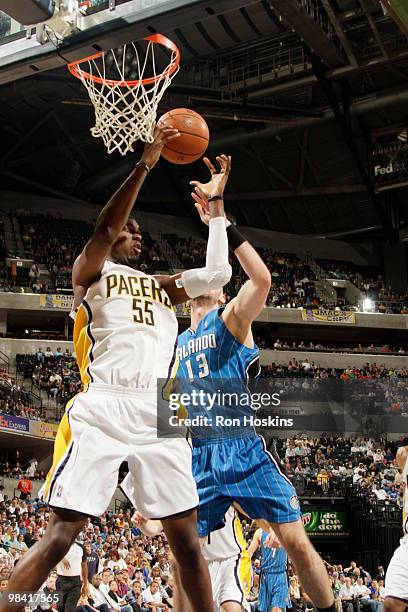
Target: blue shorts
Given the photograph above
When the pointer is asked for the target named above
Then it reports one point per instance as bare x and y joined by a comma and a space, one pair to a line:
241, 470
273, 592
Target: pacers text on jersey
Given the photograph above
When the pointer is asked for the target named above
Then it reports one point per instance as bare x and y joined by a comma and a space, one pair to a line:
137, 287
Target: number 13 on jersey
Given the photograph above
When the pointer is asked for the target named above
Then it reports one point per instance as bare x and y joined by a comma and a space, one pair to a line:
202, 365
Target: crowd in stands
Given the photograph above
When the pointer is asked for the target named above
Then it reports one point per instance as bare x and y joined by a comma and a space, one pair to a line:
13, 465
291, 345
190, 252
309, 369
54, 372
361, 276
56, 242
17, 401
293, 283
327, 465
369, 280
370, 390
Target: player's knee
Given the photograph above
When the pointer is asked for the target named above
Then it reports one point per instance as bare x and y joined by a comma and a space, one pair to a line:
59, 542
299, 549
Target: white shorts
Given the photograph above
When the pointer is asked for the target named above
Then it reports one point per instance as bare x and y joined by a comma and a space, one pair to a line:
101, 428
396, 578
230, 580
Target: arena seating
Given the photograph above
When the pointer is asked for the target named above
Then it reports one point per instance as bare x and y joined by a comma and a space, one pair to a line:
16, 400
310, 346
371, 282
53, 372
355, 466
56, 242
362, 276
292, 280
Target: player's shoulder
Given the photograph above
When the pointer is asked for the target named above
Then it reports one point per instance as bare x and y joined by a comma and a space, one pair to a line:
184, 336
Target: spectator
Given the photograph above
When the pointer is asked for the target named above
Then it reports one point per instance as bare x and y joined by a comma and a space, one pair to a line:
33, 274
152, 599
92, 561
347, 595
119, 601
72, 577
25, 487
96, 596
363, 595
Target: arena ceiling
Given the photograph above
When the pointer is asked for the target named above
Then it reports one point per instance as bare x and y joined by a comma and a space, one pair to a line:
294, 91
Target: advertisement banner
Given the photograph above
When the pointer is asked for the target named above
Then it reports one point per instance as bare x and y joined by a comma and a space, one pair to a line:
63, 302
43, 430
389, 161
326, 523
328, 316
14, 423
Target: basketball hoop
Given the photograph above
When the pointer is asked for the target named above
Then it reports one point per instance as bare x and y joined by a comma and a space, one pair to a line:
126, 108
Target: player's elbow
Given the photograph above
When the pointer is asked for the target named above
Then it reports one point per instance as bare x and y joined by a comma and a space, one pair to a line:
264, 280
219, 278
105, 234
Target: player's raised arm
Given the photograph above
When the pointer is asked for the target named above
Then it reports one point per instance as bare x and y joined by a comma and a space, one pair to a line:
246, 306
115, 214
217, 271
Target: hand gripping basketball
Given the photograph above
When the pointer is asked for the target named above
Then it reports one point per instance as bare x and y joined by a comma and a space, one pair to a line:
163, 134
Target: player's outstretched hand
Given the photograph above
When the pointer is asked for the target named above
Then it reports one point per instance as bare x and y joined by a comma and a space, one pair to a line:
138, 519
219, 178
163, 133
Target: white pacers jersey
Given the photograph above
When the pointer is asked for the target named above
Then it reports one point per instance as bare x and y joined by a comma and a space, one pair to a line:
226, 542
125, 330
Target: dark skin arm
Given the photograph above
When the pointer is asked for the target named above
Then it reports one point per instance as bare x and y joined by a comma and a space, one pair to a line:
113, 217
177, 295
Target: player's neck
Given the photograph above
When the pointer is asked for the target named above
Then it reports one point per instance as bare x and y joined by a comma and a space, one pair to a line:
198, 313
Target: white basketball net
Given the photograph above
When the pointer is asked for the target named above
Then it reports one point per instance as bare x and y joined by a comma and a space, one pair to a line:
125, 111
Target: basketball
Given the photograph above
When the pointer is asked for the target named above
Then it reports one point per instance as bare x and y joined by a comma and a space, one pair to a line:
193, 139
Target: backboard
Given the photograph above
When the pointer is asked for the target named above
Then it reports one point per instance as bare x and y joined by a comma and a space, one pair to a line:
99, 25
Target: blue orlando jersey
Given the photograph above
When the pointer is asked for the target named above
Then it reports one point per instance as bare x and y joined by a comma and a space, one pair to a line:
273, 560
214, 365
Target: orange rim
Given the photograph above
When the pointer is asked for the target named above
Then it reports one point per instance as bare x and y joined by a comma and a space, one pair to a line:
74, 67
